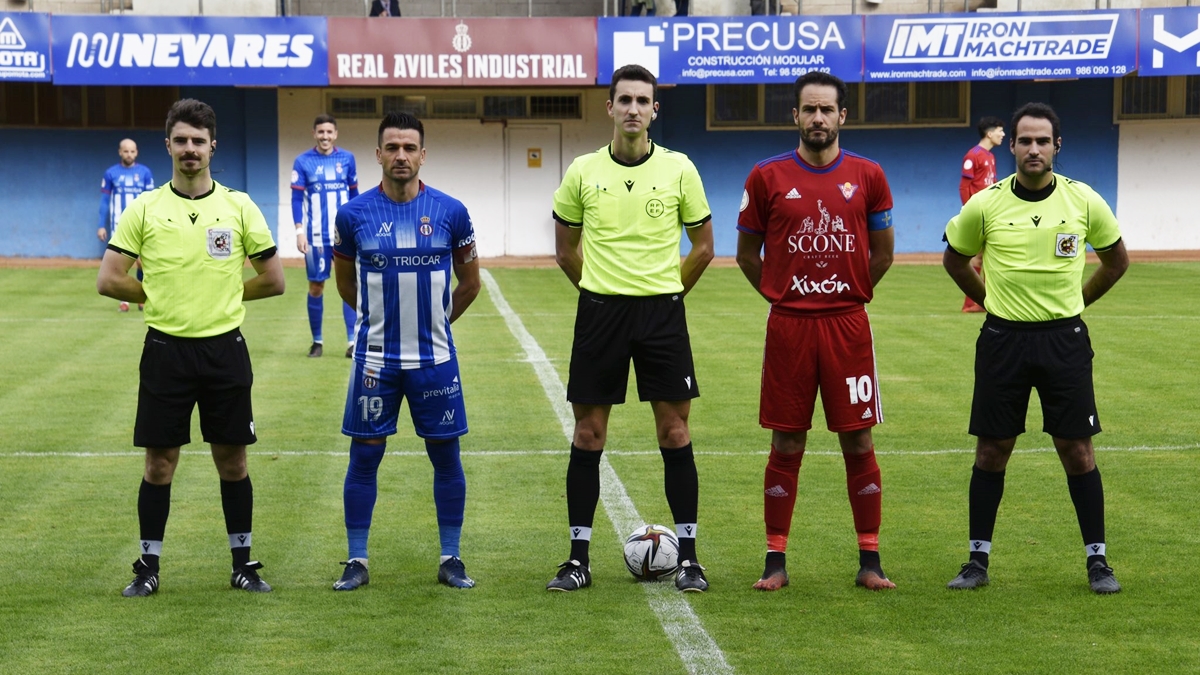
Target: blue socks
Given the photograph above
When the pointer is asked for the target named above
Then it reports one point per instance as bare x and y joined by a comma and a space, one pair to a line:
361, 488
358, 495
449, 492
349, 316
315, 307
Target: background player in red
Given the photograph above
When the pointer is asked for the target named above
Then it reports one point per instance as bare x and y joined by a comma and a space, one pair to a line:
814, 238
978, 172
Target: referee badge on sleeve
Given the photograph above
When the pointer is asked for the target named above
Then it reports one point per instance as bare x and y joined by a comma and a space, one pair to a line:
1067, 246
220, 242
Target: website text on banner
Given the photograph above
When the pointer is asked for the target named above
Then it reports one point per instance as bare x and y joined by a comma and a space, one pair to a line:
24, 47
1031, 45
741, 49
1169, 43
168, 50
463, 52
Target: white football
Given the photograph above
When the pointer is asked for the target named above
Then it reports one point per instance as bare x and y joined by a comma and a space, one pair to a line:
652, 552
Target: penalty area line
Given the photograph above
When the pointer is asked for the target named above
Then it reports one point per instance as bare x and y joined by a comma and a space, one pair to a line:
696, 648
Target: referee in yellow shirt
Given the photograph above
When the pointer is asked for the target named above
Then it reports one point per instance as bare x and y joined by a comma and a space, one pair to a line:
621, 213
1036, 226
193, 236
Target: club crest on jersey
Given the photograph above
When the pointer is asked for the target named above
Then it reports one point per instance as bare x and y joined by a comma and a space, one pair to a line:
220, 242
426, 228
1067, 246
339, 167
370, 382
848, 190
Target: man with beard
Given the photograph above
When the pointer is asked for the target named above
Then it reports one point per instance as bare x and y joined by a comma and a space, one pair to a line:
1033, 228
814, 239
122, 184
194, 237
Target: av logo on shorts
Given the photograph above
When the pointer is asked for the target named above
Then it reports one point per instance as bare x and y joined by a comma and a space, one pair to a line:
1067, 245
379, 261
655, 208
1002, 38
220, 242
447, 419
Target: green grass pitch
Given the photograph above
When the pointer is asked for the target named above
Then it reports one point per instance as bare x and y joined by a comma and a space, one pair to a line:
69, 479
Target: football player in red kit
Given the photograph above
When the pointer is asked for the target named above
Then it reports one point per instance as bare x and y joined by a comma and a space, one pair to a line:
978, 172
814, 238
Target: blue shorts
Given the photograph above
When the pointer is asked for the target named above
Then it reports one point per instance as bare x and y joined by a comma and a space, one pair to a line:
434, 396
318, 261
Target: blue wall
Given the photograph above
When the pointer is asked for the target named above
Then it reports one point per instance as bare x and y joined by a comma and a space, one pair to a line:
922, 164
51, 204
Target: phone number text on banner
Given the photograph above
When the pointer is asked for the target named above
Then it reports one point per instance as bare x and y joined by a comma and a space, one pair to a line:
716, 50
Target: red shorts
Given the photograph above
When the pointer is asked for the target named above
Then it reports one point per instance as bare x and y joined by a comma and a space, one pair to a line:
833, 352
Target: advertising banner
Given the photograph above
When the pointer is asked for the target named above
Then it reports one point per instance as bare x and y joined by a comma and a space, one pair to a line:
178, 50
1000, 46
732, 50
1169, 41
462, 52
24, 47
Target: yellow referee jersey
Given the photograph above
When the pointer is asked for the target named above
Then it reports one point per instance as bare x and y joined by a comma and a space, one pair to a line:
193, 252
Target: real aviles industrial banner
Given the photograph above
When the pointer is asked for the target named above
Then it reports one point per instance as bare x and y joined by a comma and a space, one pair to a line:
159, 50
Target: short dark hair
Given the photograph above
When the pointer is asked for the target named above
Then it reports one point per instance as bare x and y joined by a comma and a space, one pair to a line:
324, 119
196, 113
824, 79
1040, 111
636, 73
401, 120
986, 125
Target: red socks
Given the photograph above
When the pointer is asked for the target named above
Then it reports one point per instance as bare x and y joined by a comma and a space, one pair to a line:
865, 490
779, 497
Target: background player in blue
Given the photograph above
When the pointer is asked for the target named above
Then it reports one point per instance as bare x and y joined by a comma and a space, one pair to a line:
122, 183
323, 179
394, 247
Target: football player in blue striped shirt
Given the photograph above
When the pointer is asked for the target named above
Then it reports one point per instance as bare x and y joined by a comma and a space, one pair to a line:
122, 183
394, 249
323, 180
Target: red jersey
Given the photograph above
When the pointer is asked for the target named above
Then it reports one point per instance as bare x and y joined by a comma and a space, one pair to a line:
978, 172
814, 221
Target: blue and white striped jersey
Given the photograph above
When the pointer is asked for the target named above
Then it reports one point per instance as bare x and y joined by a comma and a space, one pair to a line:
119, 187
403, 256
321, 184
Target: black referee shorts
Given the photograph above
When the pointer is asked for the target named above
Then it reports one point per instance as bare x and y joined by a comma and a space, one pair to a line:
1055, 357
611, 329
179, 373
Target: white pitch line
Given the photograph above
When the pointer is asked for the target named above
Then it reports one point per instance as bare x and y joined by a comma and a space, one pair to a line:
697, 649
29, 454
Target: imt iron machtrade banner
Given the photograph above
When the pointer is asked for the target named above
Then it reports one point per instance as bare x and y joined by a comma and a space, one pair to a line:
1000, 46
462, 52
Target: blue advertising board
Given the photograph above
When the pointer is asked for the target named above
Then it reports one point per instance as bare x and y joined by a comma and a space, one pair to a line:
1169, 40
739, 49
24, 47
1000, 46
169, 50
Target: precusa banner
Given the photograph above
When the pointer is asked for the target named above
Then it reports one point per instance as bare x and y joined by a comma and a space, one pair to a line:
1028, 45
24, 47
176, 50
463, 52
731, 50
